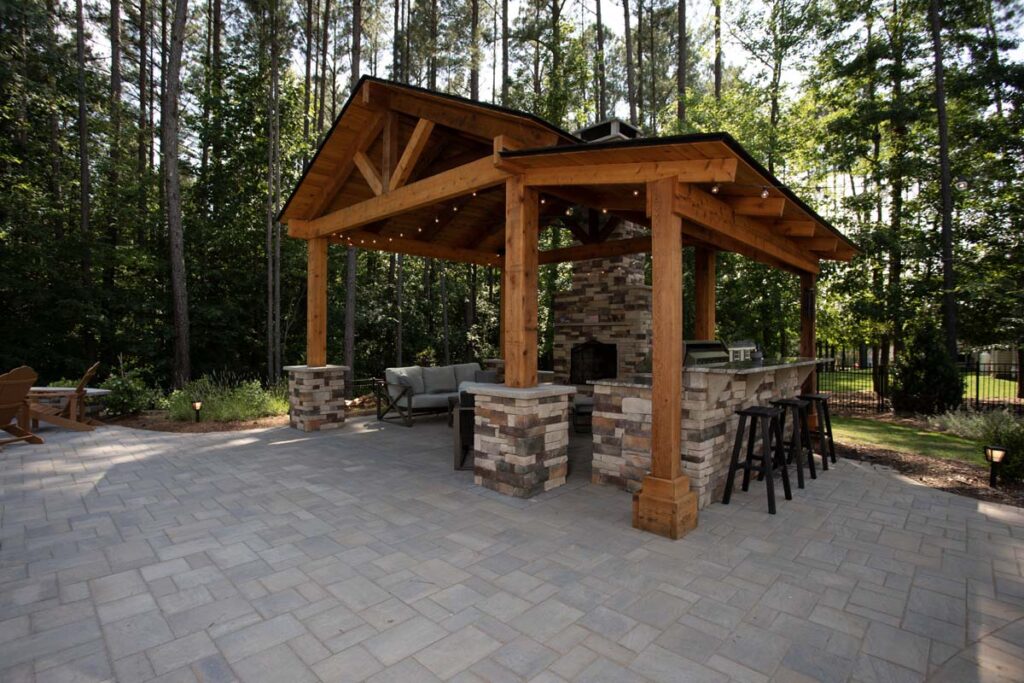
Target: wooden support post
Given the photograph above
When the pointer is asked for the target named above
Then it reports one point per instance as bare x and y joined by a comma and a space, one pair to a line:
808, 320
519, 289
316, 302
704, 274
501, 314
665, 505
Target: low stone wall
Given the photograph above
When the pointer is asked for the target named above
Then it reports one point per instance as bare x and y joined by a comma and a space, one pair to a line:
622, 425
521, 439
316, 396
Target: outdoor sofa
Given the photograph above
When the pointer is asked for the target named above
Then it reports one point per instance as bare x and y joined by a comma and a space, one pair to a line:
416, 390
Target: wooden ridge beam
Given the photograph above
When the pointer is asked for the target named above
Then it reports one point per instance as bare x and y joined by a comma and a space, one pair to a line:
700, 207
691, 171
412, 247
369, 172
339, 178
458, 181
756, 206
583, 252
412, 153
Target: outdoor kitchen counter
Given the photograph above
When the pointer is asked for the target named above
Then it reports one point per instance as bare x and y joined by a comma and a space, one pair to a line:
711, 396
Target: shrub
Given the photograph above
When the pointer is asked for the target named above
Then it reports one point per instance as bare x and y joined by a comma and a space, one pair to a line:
129, 392
226, 400
925, 377
992, 428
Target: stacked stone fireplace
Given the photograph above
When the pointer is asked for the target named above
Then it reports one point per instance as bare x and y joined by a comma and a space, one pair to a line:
607, 304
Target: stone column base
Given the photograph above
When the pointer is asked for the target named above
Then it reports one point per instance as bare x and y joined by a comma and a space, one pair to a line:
666, 507
316, 396
521, 439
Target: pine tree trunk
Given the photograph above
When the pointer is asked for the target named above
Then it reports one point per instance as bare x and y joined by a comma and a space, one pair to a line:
432, 59
399, 286
630, 90
306, 82
172, 193
54, 142
504, 52
945, 181
396, 61
718, 49
351, 260
444, 314
215, 86
639, 52
83, 150
682, 46
602, 86
143, 108
474, 50
326, 21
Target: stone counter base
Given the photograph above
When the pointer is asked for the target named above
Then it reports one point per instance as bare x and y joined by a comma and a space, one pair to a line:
622, 426
521, 440
316, 397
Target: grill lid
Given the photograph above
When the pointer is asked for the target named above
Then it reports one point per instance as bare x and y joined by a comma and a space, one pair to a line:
704, 352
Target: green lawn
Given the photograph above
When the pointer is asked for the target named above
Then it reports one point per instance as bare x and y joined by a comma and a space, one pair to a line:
860, 380
904, 439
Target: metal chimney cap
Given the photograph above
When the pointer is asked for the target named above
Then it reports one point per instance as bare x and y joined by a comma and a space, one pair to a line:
609, 130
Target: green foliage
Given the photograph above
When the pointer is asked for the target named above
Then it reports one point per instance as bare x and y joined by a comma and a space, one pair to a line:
130, 393
992, 428
925, 379
225, 400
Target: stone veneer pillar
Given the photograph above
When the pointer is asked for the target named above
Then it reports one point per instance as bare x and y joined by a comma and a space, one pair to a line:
521, 440
316, 396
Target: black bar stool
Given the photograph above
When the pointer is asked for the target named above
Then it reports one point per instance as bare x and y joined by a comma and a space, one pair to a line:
770, 458
823, 431
799, 445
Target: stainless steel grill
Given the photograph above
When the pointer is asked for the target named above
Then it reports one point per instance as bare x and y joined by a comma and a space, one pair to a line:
704, 352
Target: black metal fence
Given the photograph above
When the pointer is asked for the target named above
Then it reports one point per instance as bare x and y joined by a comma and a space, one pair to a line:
856, 389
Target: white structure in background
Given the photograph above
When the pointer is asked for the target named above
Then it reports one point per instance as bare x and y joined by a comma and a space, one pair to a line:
741, 350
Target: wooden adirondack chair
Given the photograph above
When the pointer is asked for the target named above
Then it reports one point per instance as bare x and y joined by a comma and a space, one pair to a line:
14, 387
70, 415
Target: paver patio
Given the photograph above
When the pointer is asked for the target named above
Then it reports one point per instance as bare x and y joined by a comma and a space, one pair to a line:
358, 554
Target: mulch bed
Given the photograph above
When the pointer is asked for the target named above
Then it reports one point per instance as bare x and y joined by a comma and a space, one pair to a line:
954, 476
158, 421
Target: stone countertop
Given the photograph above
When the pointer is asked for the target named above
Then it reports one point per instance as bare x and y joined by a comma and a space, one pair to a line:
748, 367
643, 381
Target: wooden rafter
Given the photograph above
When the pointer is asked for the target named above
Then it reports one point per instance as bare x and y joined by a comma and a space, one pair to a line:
756, 206
824, 244
341, 176
700, 207
472, 121
412, 153
369, 172
795, 228
441, 187
691, 171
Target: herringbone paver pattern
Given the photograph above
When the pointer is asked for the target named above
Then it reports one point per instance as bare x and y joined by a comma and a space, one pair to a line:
359, 555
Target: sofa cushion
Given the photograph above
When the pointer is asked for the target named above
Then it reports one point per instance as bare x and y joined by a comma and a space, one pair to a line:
439, 380
411, 376
423, 401
486, 377
466, 372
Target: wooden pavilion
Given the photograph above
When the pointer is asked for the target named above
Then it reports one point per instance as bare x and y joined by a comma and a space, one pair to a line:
412, 171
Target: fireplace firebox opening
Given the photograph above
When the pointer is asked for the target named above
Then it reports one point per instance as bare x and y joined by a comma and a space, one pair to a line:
593, 360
